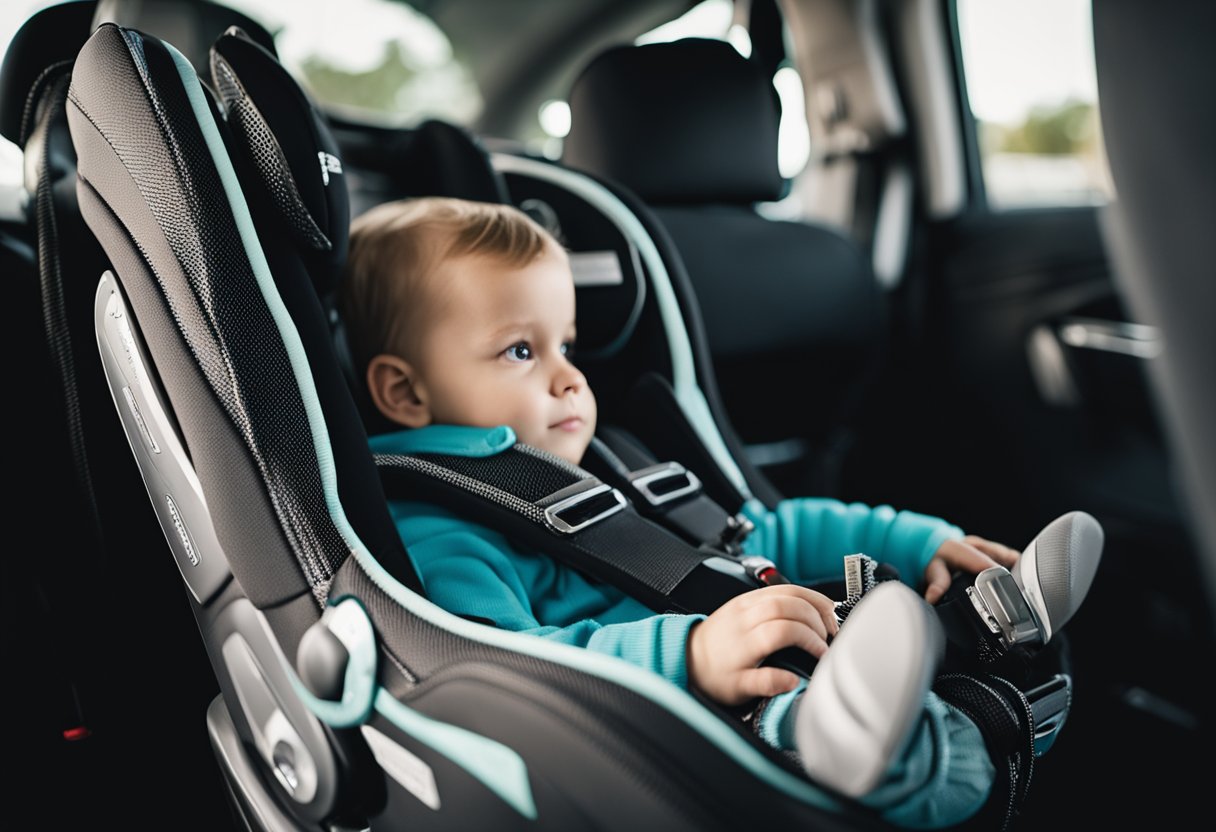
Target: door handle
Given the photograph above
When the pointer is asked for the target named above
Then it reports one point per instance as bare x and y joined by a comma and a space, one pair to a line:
1136, 340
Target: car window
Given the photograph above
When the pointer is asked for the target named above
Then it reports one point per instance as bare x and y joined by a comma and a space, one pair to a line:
1028, 68
13, 13
371, 60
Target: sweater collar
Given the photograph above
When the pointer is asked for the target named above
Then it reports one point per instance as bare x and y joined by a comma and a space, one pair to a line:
445, 439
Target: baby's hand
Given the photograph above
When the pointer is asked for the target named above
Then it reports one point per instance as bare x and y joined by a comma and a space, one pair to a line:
725, 649
972, 554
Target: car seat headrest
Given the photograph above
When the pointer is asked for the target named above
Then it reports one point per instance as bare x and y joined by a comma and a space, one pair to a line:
294, 155
684, 122
437, 158
190, 25
50, 38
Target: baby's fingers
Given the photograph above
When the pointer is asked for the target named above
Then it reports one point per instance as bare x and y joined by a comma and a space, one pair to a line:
937, 578
766, 681
766, 639
999, 552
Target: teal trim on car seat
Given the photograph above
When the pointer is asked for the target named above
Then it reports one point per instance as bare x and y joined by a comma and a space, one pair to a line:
506, 775
447, 439
500, 768
678, 702
683, 369
350, 624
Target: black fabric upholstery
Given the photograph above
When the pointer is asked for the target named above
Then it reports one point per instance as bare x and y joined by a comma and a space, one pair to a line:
49, 39
689, 121
792, 312
435, 158
206, 279
1155, 68
289, 149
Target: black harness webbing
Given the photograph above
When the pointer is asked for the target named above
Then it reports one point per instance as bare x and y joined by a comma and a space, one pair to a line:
539, 500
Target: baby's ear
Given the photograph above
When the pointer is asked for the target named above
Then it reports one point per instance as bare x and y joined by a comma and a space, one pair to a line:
392, 382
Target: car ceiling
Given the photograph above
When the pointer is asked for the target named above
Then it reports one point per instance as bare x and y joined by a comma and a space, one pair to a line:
527, 50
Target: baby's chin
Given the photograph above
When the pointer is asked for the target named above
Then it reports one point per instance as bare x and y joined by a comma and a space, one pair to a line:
569, 448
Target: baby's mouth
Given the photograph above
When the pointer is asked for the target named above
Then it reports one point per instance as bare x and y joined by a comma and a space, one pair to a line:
570, 424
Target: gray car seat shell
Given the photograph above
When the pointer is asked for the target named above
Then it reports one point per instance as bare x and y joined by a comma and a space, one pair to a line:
512, 730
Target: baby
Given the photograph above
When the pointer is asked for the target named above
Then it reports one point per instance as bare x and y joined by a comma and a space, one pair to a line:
463, 316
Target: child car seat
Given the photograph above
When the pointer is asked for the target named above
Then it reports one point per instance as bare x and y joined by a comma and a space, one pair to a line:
346, 695
792, 311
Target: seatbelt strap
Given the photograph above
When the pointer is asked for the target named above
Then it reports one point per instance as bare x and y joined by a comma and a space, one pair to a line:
665, 492
541, 501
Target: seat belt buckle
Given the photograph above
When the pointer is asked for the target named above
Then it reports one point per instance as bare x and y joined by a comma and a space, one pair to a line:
762, 570
738, 527
1002, 609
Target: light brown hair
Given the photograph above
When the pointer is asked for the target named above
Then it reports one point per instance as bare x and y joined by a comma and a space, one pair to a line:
395, 250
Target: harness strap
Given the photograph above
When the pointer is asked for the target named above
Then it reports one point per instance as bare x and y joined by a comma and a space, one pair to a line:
665, 492
542, 501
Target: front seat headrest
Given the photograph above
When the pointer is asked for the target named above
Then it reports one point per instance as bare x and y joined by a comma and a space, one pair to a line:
292, 150
49, 38
683, 122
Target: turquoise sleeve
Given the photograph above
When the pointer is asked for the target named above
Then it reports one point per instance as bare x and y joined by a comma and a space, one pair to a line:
807, 537
465, 573
943, 776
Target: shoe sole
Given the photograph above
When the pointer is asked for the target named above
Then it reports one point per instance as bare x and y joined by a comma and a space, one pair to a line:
868, 692
1057, 568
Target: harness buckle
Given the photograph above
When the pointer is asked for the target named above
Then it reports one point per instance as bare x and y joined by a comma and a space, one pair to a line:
664, 482
584, 508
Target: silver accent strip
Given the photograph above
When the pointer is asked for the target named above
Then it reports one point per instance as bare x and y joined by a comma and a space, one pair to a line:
180, 524
1028, 571
139, 420
159, 452
1136, 340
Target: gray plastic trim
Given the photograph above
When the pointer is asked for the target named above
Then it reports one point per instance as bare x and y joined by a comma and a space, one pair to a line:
257, 807
168, 474
287, 736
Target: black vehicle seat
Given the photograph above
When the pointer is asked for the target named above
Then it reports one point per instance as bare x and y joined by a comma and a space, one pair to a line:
89, 727
510, 730
792, 311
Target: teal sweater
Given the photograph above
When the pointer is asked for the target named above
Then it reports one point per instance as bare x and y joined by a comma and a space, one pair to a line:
471, 570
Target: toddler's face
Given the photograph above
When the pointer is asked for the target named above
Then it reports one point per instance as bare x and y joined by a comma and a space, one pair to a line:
496, 350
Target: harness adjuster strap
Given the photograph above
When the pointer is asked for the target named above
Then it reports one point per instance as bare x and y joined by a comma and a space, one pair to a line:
593, 502
664, 482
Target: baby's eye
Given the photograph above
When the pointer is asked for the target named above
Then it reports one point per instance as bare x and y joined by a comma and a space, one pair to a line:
568, 349
518, 352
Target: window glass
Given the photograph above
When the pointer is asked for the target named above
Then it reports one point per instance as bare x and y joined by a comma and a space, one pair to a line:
1032, 88
375, 60
13, 13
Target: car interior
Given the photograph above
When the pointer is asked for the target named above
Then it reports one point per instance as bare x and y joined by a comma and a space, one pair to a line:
176, 237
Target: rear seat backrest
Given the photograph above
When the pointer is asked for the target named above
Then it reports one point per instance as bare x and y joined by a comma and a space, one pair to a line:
792, 311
